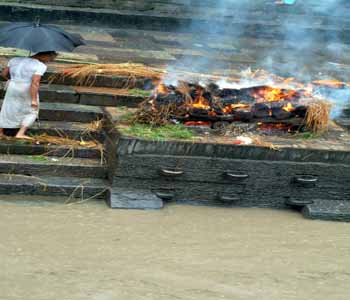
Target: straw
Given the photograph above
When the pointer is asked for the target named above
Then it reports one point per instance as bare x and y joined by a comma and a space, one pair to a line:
317, 116
86, 74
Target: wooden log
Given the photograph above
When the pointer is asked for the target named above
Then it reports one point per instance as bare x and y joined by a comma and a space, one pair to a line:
261, 110
280, 114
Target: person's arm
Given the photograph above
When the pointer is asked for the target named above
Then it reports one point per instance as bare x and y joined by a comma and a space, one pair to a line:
6, 73
34, 90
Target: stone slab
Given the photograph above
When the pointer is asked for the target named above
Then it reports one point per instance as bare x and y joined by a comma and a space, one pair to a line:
58, 93
27, 148
46, 166
82, 188
136, 146
328, 210
134, 199
71, 130
110, 100
69, 112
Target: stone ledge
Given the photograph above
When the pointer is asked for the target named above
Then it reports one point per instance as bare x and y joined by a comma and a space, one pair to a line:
328, 210
133, 199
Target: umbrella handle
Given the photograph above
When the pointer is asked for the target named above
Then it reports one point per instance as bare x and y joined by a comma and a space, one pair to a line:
37, 21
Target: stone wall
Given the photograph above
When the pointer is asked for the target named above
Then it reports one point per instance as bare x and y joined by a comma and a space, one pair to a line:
115, 4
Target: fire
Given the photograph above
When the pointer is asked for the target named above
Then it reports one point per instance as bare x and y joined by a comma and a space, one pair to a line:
231, 107
274, 126
162, 89
200, 102
333, 83
270, 94
198, 123
289, 107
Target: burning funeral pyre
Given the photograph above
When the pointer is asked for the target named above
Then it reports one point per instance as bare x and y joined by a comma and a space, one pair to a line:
211, 106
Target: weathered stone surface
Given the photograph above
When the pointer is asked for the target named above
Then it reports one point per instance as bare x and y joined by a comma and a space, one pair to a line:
82, 188
328, 210
58, 93
20, 148
229, 176
134, 199
211, 169
71, 130
134, 146
110, 100
70, 112
59, 166
257, 23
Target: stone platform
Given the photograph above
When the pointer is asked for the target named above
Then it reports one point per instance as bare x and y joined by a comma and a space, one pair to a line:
310, 176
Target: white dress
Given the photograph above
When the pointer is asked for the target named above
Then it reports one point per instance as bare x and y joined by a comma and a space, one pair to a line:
17, 110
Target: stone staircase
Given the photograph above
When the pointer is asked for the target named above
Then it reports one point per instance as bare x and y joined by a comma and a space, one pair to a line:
28, 168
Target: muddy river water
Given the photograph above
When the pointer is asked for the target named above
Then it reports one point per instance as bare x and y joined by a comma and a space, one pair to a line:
51, 251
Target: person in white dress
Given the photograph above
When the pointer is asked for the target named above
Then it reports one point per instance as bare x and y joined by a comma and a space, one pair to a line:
20, 107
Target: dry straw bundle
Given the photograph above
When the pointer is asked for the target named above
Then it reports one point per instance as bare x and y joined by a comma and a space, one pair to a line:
64, 141
317, 116
155, 117
86, 74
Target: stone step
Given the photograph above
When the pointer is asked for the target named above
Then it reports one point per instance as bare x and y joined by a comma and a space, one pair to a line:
331, 210
71, 130
24, 200
104, 96
343, 122
73, 187
21, 147
70, 112
104, 81
101, 96
52, 165
191, 17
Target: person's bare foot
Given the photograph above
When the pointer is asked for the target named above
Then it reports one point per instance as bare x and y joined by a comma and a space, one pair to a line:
23, 137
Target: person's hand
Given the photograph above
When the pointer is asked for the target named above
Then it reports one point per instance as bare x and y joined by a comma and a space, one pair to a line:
35, 104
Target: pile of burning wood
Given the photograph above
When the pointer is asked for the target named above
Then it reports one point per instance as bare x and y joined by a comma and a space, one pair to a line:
196, 105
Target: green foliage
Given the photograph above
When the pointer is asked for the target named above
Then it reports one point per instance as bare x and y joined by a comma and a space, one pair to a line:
37, 158
139, 93
167, 132
127, 117
306, 135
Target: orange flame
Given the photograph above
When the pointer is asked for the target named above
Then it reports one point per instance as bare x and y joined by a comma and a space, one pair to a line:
231, 107
270, 94
289, 107
272, 126
197, 123
162, 89
200, 102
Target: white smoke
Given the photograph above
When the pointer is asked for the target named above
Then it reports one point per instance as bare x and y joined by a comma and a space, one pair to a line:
304, 40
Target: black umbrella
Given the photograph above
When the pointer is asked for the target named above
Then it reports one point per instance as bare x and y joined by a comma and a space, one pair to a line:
37, 37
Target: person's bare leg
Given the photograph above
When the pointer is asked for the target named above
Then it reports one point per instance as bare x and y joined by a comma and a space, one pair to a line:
21, 134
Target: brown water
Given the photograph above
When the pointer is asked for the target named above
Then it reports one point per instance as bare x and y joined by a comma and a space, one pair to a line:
50, 251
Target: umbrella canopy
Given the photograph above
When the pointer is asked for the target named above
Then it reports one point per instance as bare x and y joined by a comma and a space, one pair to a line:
36, 37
